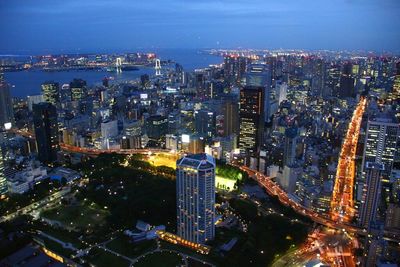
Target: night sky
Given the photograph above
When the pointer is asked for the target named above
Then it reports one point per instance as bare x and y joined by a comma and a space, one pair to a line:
40, 26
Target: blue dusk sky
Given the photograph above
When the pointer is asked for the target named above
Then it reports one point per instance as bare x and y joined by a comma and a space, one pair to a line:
41, 26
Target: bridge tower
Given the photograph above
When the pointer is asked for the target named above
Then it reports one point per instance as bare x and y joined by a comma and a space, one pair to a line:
118, 65
158, 67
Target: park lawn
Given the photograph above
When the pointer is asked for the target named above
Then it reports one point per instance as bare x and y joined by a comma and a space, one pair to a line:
101, 258
123, 246
164, 258
81, 216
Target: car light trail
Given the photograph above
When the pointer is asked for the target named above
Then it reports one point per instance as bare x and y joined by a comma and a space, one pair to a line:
342, 203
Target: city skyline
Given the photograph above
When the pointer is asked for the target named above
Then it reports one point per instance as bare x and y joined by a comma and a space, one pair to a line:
200, 133
55, 27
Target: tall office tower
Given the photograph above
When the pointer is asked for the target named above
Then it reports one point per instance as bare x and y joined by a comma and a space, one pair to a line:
204, 122
195, 197
332, 80
346, 88
289, 153
381, 142
251, 119
78, 89
51, 92
231, 117
46, 131
318, 76
281, 91
259, 75
6, 106
235, 67
200, 85
372, 192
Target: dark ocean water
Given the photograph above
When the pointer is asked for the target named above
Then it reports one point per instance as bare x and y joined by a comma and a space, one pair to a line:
26, 83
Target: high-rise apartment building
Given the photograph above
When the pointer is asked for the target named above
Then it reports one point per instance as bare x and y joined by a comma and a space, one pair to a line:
195, 197
46, 131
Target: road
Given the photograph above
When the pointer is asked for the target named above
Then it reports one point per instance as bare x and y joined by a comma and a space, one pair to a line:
36, 205
342, 203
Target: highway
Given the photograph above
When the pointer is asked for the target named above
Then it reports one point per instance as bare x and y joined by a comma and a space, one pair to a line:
342, 203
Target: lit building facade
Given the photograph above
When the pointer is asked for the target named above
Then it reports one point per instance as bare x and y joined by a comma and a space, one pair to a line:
205, 122
51, 92
78, 89
372, 192
381, 143
195, 194
251, 117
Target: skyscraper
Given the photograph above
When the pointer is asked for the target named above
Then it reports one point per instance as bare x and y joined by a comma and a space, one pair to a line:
46, 131
380, 147
259, 75
318, 76
372, 189
251, 117
51, 92
231, 117
204, 122
195, 197
289, 152
381, 142
235, 67
346, 88
6, 106
78, 89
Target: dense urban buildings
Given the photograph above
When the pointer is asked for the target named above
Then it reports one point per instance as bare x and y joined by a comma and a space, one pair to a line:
318, 131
